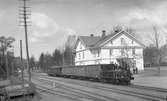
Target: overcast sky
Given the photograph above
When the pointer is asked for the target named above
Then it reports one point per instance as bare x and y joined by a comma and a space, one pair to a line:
54, 20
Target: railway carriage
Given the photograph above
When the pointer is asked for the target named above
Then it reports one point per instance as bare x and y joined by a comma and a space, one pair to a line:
55, 71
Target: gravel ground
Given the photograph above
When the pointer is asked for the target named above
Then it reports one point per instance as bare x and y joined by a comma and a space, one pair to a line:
107, 93
150, 77
49, 97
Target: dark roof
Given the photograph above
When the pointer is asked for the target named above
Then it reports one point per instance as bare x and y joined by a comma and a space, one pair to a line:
89, 40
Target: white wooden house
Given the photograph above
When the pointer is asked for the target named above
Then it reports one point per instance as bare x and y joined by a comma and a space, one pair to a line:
106, 49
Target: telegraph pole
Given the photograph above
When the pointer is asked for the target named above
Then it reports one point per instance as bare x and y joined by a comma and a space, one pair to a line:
25, 15
63, 56
21, 57
7, 67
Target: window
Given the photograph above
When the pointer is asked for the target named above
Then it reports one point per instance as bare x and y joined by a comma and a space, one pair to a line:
133, 51
133, 63
111, 52
122, 52
132, 41
122, 41
83, 55
79, 55
98, 52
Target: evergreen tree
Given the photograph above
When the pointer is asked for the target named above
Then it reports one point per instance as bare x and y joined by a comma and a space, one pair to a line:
32, 63
5, 56
57, 57
41, 61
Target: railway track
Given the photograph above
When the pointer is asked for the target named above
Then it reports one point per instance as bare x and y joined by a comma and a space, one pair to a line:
140, 94
53, 92
75, 94
132, 93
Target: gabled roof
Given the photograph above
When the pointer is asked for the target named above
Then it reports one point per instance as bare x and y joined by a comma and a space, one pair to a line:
115, 35
98, 41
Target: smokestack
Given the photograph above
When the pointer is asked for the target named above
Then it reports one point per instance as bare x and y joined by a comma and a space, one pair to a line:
103, 33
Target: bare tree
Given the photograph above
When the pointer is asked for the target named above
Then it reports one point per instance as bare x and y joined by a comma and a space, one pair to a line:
6, 43
117, 28
156, 42
32, 63
156, 38
132, 32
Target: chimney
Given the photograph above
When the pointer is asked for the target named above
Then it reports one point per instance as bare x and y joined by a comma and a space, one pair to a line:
91, 35
103, 33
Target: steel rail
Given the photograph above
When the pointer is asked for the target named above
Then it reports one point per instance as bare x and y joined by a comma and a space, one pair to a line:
125, 92
89, 95
53, 92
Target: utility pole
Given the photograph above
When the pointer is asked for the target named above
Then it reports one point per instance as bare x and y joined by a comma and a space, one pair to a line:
7, 66
63, 56
25, 15
21, 57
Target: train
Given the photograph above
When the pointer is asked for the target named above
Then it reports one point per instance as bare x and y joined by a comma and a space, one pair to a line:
112, 73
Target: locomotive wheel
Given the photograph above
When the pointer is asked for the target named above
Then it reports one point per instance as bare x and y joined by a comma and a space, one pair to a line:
127, 82
124, 82
117, 81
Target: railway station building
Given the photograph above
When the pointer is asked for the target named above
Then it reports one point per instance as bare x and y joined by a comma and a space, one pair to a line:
106, 49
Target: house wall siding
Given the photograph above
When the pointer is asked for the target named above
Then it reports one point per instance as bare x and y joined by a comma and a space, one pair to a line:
87, 59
